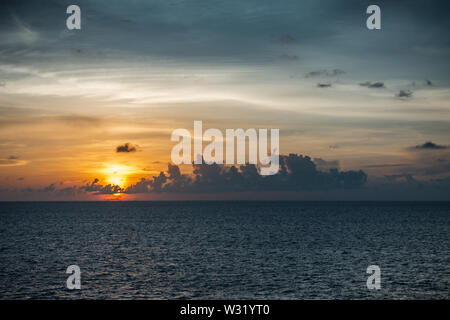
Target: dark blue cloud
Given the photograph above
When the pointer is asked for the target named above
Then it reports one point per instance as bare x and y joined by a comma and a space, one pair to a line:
296, 173
430, 146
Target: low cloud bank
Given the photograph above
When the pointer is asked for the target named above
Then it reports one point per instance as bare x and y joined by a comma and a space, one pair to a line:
296, 173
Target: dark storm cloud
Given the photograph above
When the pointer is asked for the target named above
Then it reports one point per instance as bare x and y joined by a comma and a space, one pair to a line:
127, 147
430, 146
372, 85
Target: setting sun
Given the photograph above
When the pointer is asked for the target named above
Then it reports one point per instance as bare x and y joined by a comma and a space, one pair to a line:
117, 174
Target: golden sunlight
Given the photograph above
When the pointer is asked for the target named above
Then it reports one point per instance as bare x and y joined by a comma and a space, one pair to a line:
117, 174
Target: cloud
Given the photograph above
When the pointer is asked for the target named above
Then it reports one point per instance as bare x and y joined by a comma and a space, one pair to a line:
52, 190
430, 146
407, 179
325, 73
372, 85
127, 147
79, 120
336, 72
323, 165
296, 173
387, 165
12, 161
404, 94
49, 188
96, 188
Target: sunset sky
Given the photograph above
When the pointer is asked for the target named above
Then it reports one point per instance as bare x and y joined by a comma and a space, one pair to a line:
347, 97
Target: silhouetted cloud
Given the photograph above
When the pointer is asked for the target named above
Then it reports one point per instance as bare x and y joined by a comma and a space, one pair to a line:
430, 146
53, 190
97, 188
49, 188
324, 165
296, 173
387, 165
127, 147
406, 178
372, 85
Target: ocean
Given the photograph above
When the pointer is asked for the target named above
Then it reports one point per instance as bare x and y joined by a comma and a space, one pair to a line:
224, 250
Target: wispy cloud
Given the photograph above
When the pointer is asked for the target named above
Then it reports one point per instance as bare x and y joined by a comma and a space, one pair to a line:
372, 85
404, 94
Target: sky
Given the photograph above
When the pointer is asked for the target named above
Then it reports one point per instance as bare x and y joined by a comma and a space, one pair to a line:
88, 114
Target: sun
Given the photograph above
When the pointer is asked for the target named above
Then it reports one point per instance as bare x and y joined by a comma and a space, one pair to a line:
117, 174
116, 180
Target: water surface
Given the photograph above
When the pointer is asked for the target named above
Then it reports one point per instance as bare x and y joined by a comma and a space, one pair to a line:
224, 250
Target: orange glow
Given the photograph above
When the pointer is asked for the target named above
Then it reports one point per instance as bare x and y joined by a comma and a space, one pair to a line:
117, 174
116, 196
